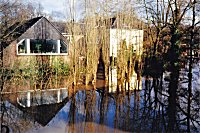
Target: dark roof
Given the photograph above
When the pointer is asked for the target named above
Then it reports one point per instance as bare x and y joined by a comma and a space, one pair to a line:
17, 29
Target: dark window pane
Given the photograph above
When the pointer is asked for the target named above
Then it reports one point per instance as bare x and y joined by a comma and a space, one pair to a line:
43, 46
36, 46
50, 46
63, 47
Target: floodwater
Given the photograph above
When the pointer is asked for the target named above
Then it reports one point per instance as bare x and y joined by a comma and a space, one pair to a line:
62, 110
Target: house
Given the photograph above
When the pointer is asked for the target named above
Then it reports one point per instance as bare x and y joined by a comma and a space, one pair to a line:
38, 41
32, 41
131, 38
124, 46
114, 40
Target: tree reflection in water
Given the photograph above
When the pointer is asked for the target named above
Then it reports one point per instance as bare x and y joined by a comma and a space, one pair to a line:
138, 111
151, 110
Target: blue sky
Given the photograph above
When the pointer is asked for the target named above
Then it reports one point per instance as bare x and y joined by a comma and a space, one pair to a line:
59, 7
52, 5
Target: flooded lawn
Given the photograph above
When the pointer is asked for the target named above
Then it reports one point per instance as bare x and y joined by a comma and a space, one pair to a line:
98, 110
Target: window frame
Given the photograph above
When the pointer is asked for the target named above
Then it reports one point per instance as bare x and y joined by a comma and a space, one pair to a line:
27, 44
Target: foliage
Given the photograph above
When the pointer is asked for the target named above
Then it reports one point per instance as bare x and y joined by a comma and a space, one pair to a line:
58, 68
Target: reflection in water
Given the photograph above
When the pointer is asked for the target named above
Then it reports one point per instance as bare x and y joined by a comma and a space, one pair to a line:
41, 97
98, 110
30, 107
114, 83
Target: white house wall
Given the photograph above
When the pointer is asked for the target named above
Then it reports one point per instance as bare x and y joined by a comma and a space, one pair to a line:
133, 37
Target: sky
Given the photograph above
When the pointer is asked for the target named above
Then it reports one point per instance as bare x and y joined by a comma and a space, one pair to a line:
57, 8
52, 5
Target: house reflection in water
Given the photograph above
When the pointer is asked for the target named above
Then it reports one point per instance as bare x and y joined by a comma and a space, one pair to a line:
43, 105
32, 108
42, 97
134, 84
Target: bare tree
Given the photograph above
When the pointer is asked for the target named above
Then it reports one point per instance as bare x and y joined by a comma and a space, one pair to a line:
167, 18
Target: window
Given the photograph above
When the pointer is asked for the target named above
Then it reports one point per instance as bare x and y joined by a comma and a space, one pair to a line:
22, 47
113, 60
41, 47
63, 47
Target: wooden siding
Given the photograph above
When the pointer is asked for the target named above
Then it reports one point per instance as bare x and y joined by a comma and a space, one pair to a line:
43, 29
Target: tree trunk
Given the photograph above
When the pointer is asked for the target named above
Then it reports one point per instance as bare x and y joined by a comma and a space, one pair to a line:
190, 70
